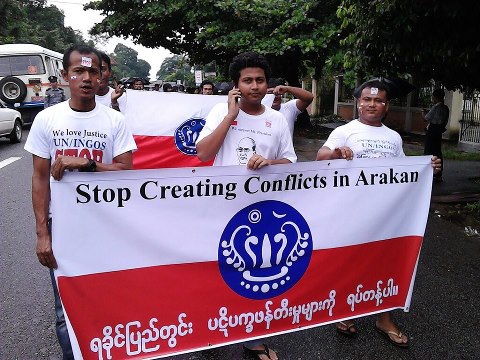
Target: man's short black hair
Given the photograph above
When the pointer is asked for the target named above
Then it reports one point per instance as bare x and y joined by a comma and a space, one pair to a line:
375, 83
439, 94
106, 60
248, 59
167, 87
81, 49
206, 82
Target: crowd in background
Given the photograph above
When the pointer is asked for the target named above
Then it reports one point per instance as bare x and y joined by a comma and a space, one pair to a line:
207, 87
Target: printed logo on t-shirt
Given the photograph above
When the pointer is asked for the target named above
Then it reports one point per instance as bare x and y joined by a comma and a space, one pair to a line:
245, 149
370, 149
80, 143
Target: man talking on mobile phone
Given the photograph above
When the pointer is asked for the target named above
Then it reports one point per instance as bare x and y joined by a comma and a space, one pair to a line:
226, 124
244, 131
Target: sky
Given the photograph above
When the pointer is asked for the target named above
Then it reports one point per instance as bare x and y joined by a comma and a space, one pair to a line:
79, 19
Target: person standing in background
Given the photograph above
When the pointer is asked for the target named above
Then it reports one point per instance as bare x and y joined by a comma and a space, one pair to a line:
291, 109
106, 95
437, 119
138, 84
206, 87
54, 94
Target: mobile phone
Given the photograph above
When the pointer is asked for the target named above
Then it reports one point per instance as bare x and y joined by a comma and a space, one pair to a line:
236, 98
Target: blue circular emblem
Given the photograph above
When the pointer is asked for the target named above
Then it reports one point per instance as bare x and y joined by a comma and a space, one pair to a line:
186, 135
264, 250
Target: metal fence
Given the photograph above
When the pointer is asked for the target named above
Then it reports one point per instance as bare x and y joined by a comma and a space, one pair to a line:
470, 122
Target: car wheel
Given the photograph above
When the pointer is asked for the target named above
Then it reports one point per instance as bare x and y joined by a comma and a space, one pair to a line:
16, 134
12, 90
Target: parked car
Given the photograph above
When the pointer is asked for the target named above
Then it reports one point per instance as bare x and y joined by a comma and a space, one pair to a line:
11, 124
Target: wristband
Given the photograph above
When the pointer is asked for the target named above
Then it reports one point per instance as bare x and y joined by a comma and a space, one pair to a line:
91, 166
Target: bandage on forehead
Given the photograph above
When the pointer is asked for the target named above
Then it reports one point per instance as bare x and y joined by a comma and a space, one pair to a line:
86, 61
373, 91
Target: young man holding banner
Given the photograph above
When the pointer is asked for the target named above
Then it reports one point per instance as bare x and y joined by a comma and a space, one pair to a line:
367, 137
76, 135
244, 131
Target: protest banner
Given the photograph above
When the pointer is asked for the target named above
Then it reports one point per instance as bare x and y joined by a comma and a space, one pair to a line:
166, 125
160, 262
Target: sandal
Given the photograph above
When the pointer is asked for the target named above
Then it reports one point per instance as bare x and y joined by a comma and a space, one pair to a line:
388, 334
350, 329
255, 353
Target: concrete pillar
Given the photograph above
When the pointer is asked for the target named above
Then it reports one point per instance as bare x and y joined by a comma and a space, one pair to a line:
454, 101
316, 98
337, 95
408, 113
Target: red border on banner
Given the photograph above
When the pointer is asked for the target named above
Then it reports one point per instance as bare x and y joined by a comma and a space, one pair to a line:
155, 152
141, 309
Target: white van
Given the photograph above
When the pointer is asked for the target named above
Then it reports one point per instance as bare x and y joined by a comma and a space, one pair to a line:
24, 72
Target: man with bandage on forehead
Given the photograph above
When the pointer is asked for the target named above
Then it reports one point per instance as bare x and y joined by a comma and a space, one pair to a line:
368, 137
75, 135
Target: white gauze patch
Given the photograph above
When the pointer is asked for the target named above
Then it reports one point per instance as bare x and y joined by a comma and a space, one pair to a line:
86, 61
373, 91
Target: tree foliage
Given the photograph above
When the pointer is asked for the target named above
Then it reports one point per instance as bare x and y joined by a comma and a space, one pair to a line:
176, 68
429, 39
34, 22
291, 34
127, 63
435, 39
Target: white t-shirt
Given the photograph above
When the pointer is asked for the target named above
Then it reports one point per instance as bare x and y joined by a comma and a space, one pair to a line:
107, 99
100, 134
366, 141
290, 111
266, 135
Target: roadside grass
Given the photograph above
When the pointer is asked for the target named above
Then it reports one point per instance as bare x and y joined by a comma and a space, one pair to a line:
448, 154
473, 208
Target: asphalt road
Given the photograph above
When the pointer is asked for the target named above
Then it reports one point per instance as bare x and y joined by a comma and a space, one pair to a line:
442, 324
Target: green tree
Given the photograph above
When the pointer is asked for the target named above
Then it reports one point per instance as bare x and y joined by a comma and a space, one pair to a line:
128, 64
169, 65
428, 39
13, 23
36, 23
143, 68
176, 68
293, 35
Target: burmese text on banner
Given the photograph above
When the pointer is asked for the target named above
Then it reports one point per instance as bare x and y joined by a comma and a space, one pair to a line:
160, 262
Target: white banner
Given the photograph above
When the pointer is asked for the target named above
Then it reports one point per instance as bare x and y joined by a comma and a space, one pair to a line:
159, 262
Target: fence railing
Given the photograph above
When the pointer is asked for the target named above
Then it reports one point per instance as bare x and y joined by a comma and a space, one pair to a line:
470, 122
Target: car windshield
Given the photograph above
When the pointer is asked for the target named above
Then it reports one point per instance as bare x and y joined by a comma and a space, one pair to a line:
21, 65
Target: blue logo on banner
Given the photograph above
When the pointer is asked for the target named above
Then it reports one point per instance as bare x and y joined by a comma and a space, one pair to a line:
186, 135
264, 250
